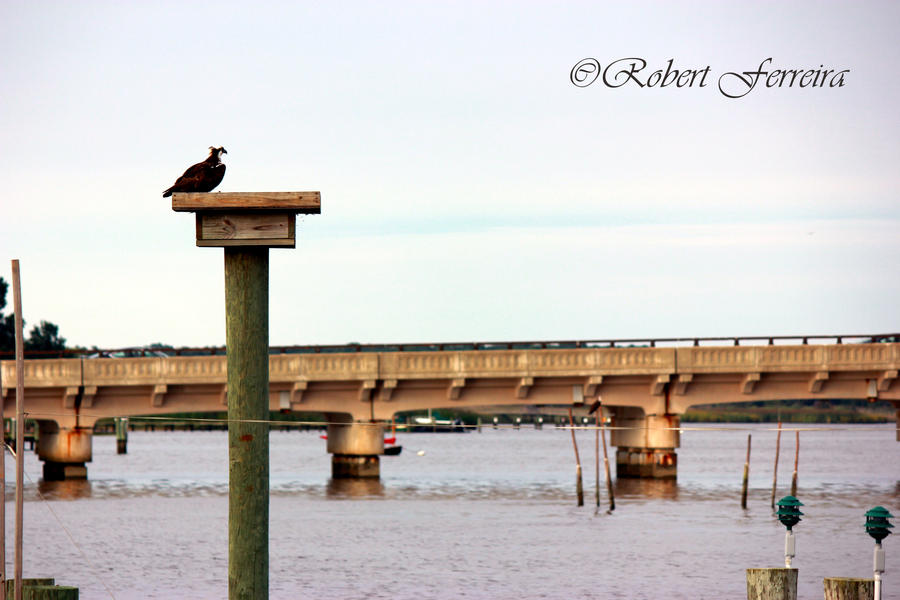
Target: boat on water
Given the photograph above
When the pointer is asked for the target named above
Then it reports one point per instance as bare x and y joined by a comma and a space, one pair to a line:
432, 425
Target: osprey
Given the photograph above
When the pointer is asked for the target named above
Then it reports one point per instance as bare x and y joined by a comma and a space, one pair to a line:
202, 177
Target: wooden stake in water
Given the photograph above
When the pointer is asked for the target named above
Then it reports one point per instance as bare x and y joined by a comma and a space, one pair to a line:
247, 346
746, 475
579, 490
796, 461
2, 492
775, 470
609, 485
597, 459
20, 423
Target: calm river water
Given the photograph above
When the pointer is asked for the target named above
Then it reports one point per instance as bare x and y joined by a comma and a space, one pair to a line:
489, 515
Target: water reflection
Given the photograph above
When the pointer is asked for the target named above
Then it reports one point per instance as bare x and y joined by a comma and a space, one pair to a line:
354, 488
70, 489
647, 488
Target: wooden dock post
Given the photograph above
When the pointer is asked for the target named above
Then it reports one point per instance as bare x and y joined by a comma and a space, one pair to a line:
3, 577
246, 225
597, 459
121, 435
775, 470
796, 462
772, 584
20, 425
746, 475
845, 588
579, 489
247, 344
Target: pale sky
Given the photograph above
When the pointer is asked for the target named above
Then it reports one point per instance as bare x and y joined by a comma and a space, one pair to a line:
470, 192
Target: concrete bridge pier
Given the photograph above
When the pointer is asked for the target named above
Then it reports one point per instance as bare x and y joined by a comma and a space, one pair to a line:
64, 450
355, 449
647, 449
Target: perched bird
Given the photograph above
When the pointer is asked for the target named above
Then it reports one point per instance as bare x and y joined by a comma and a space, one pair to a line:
202, 177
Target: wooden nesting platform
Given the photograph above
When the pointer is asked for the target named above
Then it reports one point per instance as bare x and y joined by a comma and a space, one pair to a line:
264, 219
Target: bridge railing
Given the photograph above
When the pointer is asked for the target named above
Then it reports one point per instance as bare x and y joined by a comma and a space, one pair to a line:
764, 340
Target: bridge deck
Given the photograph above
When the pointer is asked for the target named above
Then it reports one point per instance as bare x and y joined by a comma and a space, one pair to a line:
378, 384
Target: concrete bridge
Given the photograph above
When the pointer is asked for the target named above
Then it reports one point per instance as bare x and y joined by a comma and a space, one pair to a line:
643, 389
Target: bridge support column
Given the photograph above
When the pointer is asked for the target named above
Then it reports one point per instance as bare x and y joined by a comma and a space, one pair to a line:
647, 449
64, 450
355, 449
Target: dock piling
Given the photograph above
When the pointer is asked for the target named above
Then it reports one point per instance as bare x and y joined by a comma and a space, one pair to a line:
746, 475
247, 335
579, 489
775, 469
796, 462
121, 435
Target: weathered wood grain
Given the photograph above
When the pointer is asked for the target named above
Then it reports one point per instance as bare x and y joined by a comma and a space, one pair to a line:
219, 229
844, 588
771, 584
247, 340
296, 202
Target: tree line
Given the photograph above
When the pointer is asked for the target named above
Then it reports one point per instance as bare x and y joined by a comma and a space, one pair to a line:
44, 336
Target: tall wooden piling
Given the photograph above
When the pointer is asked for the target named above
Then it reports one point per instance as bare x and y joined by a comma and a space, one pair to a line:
597, 459
247, 344
20, 424
2, 489
246, 225
775, 469
579, 489
746, 475
796, 462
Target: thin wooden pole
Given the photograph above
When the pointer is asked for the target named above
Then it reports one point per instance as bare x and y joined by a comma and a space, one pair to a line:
20, 423
609, 485
247, 346
597, 459
746, 475
2, 492
775, 470
579, 490
796, 461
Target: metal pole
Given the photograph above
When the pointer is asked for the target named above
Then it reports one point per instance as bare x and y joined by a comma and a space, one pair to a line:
20, 423
790, 548
879, 569
247, 339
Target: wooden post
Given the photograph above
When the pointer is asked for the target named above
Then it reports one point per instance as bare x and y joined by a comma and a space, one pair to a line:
20, 423
579, 490
796, 461
609, 485
246, 225
121, 435
844, 588
597, 458
771, 584
247, 345
29, 583
775, 470
746, 475
2, 490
